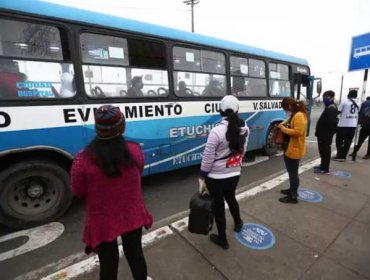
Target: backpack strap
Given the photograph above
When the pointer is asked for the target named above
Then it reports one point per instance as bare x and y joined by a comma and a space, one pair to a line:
354, 103
225, 157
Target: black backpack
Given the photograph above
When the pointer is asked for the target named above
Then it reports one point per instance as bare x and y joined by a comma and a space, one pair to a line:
364, 118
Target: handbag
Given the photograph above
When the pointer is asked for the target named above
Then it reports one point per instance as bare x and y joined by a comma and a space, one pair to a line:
278, 136
201, 213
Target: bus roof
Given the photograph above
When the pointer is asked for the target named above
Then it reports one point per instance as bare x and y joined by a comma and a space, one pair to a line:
47, 9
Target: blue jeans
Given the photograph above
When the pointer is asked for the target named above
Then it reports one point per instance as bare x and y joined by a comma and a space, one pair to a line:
292, 168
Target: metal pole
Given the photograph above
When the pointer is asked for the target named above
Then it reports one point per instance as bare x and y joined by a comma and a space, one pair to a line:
341, 89
192, 3
192, 17
363, 94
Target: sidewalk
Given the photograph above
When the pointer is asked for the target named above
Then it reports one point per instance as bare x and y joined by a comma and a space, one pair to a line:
324, 240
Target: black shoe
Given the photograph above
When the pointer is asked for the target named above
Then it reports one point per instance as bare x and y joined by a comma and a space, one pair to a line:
321, 171
366, 157
286, 191
288, 199
218, 241
238, 227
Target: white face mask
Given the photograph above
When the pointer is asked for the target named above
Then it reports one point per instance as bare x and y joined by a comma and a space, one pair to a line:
288, 113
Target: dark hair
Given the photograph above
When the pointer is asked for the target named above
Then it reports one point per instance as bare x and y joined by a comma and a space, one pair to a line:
110, 155
286, 102
329, 93
352, 93
368, 98
236, 140
296, 106
135, 80
299, 106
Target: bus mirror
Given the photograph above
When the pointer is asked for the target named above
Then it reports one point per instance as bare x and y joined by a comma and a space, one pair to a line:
318, 87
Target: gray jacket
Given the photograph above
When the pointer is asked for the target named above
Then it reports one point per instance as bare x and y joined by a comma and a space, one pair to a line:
216, 152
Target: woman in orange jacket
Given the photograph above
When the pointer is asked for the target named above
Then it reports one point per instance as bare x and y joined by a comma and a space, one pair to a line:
295, 128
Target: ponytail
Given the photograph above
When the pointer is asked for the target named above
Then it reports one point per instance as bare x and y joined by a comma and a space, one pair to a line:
236, 141
299, 106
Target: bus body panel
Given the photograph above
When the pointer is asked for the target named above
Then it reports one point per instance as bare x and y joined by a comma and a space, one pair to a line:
49, 93
168, 142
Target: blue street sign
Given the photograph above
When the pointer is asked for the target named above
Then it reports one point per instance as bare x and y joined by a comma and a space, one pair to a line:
360, 53
309, 195
256, 237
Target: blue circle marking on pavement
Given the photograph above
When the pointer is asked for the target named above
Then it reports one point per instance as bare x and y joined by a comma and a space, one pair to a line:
309, 195
256, 237
341, 173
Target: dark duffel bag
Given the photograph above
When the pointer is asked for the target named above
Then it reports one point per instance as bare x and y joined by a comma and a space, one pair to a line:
201, 214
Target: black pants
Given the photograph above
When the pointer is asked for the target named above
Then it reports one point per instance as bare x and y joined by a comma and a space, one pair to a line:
292, 168
343, 140
109, 256
324, 144
221, 189
364, 133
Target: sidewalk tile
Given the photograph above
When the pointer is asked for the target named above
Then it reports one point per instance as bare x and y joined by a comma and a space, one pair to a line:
326, 269
240, 262
316, 227
351, 249
343, 201
364, 215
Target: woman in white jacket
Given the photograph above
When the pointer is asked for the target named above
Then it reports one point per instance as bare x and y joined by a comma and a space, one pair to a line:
221, 166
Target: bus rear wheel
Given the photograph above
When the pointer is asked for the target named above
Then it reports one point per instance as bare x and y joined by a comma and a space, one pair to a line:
270, 147
33, 193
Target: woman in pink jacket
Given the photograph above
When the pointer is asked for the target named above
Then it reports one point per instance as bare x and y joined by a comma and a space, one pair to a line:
108, 174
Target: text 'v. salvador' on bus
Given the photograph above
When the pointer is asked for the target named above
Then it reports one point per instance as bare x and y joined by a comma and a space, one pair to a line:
58, 64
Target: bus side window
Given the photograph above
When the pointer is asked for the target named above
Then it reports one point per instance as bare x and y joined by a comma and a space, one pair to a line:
123, 67
279, 80
201, 71
248, 78
22, 78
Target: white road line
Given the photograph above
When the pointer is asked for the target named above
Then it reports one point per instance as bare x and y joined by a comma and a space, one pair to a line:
258, 159
91, 263
37, 237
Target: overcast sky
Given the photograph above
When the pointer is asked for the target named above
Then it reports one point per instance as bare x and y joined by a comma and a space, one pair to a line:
317, 30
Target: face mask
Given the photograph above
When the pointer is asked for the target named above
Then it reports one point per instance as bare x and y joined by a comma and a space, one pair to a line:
288, 113
326, 101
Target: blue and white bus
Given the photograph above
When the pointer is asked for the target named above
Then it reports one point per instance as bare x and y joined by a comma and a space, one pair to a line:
58, 64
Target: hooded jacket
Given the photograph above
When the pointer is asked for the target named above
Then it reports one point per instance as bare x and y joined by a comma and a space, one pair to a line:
217, 150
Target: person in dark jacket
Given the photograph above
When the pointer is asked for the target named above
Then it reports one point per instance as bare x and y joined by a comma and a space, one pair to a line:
364, 121
325, 130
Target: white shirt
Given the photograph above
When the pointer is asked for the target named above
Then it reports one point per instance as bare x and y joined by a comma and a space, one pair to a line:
348, 113
66, 89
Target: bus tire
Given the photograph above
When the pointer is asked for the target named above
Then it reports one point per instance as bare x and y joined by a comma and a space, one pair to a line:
33, 193
270, 147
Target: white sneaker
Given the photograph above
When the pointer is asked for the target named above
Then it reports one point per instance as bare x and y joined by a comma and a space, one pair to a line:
149, 278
